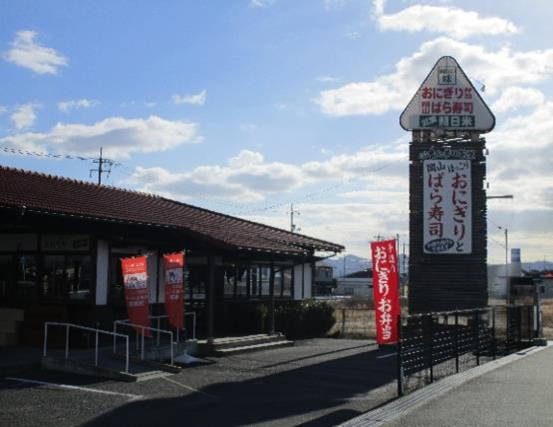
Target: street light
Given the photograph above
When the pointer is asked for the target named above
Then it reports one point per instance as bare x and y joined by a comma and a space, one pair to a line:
507, 287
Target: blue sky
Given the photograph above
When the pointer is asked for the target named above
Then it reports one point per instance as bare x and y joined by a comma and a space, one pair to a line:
246, 106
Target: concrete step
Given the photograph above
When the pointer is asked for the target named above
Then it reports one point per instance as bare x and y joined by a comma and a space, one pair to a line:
252, 348
244, 341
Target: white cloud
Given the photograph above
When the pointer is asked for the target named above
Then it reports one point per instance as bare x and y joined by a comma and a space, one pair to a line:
331, 4
353, 35
326, 79
262, 3
25, 116
247, 127
249, 178
26, 53
516, 97
197, 99
497, 69
119, 136
3, 109
67, 106
456, 23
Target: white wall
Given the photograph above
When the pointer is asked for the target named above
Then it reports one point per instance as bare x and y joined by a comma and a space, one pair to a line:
307, 281
102, 266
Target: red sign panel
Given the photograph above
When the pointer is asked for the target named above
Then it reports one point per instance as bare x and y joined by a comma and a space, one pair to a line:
174, 289
135, 280
386, 292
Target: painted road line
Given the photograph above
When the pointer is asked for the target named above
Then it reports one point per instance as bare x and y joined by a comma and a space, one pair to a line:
386, 355
77, 388
189, 388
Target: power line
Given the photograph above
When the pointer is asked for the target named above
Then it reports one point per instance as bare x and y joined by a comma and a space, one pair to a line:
320, 194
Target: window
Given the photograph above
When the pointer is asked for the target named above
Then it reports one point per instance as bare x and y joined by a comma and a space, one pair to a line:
66, 276
26, 278
287, 279
197, 279
6, 277
242, 290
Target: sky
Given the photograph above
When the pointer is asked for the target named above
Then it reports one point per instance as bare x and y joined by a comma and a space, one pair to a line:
248, 107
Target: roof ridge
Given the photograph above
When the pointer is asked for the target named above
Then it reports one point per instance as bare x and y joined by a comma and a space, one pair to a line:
250, 222
78, 181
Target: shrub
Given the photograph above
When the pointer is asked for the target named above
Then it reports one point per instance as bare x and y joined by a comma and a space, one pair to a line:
304, 319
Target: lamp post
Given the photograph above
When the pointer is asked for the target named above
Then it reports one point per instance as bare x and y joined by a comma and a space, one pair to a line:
507, 281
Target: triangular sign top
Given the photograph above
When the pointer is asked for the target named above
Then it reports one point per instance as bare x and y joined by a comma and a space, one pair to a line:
447, 100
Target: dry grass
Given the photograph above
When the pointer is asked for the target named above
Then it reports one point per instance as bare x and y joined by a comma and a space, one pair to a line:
547, 318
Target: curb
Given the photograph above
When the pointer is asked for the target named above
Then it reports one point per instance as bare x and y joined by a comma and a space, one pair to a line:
401, 407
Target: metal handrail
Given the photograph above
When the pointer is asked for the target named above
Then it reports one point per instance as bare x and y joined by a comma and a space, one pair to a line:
85, 328
187, 313
143, 328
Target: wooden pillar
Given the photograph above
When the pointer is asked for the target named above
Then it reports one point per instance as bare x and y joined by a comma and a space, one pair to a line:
272, 299
211, 299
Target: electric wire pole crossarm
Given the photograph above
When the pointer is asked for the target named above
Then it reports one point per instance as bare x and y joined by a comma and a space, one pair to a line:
101, 161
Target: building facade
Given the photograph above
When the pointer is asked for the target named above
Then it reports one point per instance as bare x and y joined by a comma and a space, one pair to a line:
61, 242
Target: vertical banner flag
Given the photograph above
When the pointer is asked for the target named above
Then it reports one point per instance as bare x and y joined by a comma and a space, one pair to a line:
174, 288
385, 288
135, 280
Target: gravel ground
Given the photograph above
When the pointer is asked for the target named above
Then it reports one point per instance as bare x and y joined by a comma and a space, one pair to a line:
318, 382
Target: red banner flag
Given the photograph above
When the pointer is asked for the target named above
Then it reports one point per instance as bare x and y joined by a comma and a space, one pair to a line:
135, 280
386, 292
174, 289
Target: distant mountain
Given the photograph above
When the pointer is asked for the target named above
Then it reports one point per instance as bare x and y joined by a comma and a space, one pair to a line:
354, 263
537, 265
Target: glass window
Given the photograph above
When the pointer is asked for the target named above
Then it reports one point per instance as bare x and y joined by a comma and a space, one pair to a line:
116, 289
278, 281
197, 279
54, 279
79, 276
287, 276
6, 277
66, 276
26, 278
242, 282
254, 279
230, 281
265, 277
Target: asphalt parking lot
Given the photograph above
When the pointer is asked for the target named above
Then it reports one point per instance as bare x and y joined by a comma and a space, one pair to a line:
318, 382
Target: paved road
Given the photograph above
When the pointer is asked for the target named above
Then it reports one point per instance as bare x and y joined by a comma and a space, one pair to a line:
320, 382
518, 394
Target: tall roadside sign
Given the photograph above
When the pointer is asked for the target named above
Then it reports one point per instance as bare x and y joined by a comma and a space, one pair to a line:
448, 232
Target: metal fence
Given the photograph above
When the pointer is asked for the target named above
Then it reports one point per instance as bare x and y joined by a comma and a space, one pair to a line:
435, 345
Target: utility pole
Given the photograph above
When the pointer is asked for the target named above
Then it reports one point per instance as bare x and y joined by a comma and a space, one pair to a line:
293, 227
101, 161
507, 278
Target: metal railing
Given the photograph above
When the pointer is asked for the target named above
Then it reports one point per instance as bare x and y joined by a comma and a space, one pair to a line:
188, 313
68, 326
140, 344
435, 345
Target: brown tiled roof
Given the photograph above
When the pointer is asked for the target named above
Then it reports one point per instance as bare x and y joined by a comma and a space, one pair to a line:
55, 195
